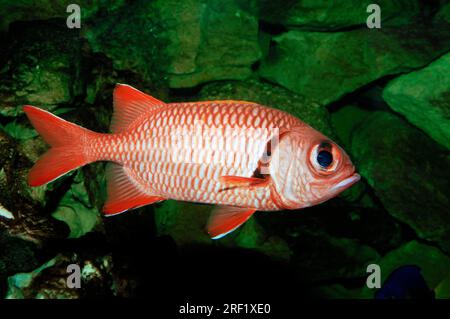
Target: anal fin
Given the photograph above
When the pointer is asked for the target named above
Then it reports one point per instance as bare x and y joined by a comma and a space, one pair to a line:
123, 193
225, 219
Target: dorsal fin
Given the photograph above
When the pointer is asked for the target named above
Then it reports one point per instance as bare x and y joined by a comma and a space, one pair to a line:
129, 104
123, 193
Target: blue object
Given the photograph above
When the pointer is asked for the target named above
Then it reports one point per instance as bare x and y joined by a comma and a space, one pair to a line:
405, 282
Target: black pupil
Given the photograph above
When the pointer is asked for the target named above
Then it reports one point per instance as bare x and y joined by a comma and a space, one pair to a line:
324, 158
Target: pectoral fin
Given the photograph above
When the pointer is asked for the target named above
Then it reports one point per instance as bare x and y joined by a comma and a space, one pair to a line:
225, 219
238, 181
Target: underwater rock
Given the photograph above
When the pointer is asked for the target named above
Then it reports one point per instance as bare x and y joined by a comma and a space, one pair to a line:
253, 236
95, 184
372, 224
322, 257
28, 10
186, 222
356, 213
96, 110
443, 15
184, 43
404, 167
271, 95
361, 220
49, 281
325, 66
129, 36
325, 242
213, 40
29, 219
423, 97
434, 265
76, 210
334, 240
346, 121
16, 255
442, 290
327, 15
42, 66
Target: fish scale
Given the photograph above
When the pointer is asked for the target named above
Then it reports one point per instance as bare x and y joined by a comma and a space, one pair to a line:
184, 149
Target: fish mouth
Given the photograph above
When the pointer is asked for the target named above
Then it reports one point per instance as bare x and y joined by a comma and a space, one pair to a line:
346, 183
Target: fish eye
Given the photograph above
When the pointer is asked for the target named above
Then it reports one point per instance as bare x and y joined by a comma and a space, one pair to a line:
324, 158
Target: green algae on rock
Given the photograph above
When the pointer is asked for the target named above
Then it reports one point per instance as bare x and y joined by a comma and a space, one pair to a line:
326, 66
207, 40
423, 97
26, 204
184, 222
346, 121
188, 43
76, 210
328, 15
130, 37
404, 167
30, 10
253, 236
49, 281
42, 66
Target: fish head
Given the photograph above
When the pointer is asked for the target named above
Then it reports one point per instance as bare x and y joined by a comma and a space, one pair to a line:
309, 168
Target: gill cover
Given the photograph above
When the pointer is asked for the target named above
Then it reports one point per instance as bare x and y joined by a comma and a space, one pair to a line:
284, 169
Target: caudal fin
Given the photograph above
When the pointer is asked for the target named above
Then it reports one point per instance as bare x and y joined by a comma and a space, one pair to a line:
67, 141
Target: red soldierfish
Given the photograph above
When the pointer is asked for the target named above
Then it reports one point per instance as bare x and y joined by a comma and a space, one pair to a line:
240, 155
